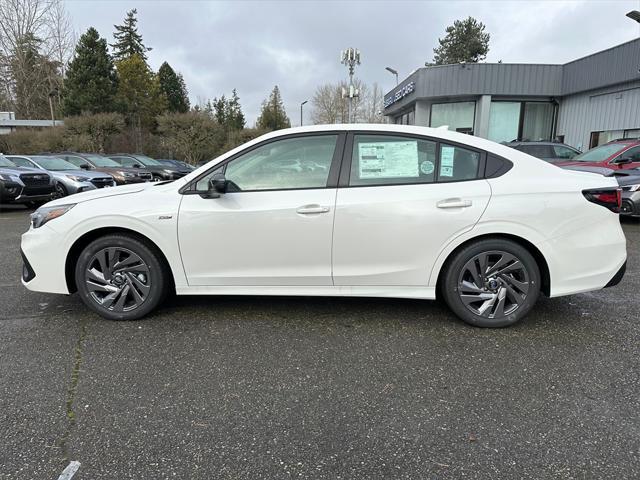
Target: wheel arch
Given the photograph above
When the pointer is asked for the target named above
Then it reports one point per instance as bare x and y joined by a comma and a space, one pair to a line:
537, 255
88, 237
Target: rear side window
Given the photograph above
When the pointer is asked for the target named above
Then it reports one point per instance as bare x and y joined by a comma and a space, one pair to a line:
538, 151
564, 152
457, 164
388, 160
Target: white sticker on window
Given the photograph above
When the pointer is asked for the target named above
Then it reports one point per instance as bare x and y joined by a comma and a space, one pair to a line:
427, 167
446, 161
388, 159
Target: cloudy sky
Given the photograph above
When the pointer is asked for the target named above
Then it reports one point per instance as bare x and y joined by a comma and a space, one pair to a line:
252, 46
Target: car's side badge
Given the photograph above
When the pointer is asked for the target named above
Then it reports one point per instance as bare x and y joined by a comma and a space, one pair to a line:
165, 217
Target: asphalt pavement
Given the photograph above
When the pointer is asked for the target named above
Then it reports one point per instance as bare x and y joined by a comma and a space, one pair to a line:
322, 388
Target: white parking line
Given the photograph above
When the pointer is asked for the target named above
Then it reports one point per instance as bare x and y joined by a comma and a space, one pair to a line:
70, 471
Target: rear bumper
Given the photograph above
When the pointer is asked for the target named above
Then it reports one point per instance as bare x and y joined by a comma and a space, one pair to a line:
617, 278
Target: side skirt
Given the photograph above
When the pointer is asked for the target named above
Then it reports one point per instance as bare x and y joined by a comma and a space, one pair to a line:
425, 293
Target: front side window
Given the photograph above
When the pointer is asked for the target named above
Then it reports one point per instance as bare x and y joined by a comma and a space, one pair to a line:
126, 161
385, 160
76, 161
292, 163
633, 154
100, 161
55, 164
457, 164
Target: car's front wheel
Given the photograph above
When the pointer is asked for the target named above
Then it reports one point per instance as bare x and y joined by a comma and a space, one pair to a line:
121, 277
491, 283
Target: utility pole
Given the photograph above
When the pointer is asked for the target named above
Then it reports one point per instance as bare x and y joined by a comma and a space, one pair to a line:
350, 57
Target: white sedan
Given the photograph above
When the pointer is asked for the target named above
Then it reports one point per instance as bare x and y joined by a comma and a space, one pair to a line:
339, 210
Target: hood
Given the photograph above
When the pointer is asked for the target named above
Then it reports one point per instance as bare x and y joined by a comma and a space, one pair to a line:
628, 179
123, 169
101, 193
80, 173
20, 170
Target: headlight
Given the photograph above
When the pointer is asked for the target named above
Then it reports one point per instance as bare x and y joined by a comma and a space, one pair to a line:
127, 174
633, 188
77, 178
45, 214
168, 171
7, 177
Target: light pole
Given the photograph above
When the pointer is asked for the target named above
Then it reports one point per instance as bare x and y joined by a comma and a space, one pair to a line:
350, 57
634, 15
393, 72
301, 105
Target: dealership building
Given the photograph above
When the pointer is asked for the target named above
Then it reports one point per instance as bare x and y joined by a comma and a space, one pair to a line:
584, 103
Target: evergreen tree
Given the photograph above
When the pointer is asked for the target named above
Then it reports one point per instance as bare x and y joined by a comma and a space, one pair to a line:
466, 41
128, 41
139, 96
228, 112
173, 86
91, 82
273, 115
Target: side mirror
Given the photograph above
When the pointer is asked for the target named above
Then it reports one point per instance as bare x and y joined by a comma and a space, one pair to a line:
217, 186
623, 160
85, 166
137, 165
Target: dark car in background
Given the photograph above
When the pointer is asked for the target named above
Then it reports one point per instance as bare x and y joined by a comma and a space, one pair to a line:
623, 153
552, 152
68, 178
176, 163
159, 170
100, 163
27, 186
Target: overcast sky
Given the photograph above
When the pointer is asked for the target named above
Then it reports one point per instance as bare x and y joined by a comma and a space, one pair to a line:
252, 46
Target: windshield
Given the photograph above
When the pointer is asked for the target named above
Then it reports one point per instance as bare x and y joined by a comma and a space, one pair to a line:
99, 161
146, 160
601, 153
5, 162
54, 163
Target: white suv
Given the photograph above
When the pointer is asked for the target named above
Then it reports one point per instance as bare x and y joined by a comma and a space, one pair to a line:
368, 210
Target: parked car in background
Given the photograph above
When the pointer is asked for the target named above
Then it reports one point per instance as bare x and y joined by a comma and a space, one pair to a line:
552, 152
68, 178
99, 163
629, 181
28, 186
377, 210
618, 154
159, 171
176, 163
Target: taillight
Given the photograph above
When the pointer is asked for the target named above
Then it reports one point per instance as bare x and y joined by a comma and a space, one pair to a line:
610, 198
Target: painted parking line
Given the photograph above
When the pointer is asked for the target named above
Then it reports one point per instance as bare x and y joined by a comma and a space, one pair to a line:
70, 471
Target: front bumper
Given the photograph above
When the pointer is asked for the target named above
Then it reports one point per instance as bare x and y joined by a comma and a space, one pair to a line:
46, 269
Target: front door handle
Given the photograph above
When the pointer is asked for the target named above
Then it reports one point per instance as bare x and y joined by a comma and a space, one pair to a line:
311, 209
454, 203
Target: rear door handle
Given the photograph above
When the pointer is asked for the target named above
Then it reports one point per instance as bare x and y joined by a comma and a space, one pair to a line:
311, 209
454, 203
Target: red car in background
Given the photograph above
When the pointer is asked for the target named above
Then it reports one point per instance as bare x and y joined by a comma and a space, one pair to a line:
622, 153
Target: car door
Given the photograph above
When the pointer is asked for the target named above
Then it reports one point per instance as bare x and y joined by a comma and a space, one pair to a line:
274, 224
401, 200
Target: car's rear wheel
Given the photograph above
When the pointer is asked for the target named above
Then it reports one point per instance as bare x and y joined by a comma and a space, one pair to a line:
491, 283
120, 277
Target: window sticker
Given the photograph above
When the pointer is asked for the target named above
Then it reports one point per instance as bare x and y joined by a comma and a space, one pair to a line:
427, 167
446, 161
388, 159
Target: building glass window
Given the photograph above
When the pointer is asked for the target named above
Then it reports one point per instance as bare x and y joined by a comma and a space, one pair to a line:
504, 121
528, 121
600, 138
458, 116
538, 121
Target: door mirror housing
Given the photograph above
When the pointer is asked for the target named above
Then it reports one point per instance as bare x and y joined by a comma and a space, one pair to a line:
85, 166
623, 160
137, 165
217, 186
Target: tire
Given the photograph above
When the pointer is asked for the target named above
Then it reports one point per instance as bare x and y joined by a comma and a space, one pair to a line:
500, 299
61, 190
126, 293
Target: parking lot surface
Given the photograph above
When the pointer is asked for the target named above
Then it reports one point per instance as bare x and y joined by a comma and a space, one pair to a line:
261, 387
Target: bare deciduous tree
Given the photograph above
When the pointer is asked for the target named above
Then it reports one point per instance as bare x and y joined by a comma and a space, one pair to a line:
330, 106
